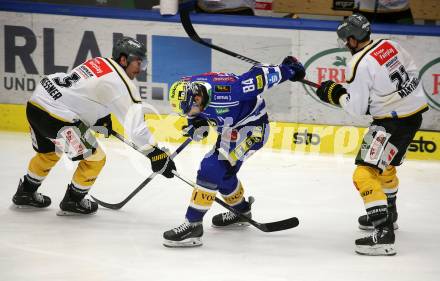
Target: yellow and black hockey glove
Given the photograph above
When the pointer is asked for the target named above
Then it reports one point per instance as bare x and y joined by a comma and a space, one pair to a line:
161, 162
330, 92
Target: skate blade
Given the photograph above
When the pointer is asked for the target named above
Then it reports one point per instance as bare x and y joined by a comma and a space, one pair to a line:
62, 213
187, 243
368, 228
378, 250
27, 207
232, 226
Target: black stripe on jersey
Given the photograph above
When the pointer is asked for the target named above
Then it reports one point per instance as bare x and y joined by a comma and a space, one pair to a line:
123, 80
359, 60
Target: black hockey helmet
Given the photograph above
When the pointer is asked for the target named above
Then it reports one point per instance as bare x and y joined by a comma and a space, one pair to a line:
132, 49
356, 26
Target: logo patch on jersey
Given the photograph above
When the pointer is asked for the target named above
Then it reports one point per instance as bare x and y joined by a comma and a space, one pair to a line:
222, 89
384, 53
223, 79
272, 78
84, 72
221, 110
98, 66
260, 83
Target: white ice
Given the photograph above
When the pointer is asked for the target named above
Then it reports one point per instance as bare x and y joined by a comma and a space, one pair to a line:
127, 244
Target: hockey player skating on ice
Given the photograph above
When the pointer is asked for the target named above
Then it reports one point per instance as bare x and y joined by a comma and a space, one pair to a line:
61, 111
234, 105
382, 82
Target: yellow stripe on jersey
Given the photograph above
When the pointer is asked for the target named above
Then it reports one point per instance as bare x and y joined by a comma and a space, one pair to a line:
123, 78
364, 52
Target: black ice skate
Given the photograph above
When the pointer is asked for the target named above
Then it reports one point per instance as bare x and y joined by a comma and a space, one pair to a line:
75, 204
24, 199
379, 243
230, 220
185, 235
365, 222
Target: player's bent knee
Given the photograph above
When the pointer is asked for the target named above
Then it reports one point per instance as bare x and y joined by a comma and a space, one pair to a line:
363, 174
366, 180
42, 163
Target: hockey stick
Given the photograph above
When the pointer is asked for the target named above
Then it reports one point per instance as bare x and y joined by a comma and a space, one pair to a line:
121, 204
189, 29
266, 227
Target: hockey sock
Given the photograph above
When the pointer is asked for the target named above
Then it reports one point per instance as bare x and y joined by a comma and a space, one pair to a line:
30, 184
77, 193
89, 169
367, 182
201, 201
40, 166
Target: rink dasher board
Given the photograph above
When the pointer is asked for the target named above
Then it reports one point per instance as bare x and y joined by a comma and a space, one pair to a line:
284, 136
33, 44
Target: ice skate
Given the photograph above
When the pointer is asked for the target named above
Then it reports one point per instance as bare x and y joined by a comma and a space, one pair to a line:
24, 199
231, 220
74, 205
185, 235
379, 243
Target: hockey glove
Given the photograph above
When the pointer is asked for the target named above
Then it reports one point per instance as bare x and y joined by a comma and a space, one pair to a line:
295, 67
330, 92
104, 125
161, 162
197, 129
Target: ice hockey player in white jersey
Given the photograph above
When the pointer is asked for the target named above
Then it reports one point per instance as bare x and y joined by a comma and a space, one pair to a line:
382, 82
66, 106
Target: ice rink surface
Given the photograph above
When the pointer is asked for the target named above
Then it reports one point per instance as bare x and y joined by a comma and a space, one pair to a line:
127, 244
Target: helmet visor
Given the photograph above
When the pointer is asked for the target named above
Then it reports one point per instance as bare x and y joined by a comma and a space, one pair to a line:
342, 43
143, 61
144, 64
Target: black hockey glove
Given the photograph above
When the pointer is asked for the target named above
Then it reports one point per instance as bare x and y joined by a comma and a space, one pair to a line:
330, 92
296, 67
197, 129
161, 162
104, 126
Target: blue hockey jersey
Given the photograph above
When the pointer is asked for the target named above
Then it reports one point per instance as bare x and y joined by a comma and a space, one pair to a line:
236, 100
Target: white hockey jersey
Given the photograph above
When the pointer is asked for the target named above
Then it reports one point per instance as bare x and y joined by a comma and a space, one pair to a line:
91, 91
383, 81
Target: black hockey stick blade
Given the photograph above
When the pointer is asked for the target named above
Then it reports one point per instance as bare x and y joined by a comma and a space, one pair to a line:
117, 206
265, 227
121, 204
189, 29
279, 225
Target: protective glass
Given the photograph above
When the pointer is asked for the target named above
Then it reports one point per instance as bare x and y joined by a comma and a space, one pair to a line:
342, 43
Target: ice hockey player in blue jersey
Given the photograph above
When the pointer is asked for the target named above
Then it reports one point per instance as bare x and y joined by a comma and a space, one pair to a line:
234, 105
